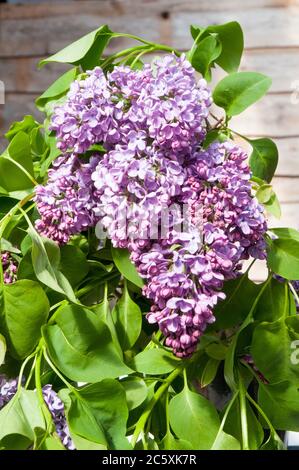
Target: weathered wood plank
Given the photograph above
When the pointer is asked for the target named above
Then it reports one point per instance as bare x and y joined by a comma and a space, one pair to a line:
15, 107
27, 37
272, 116
21, 74
266, 27
282, 65
25, 9
288, 163
289, 217
288, 157
287, 190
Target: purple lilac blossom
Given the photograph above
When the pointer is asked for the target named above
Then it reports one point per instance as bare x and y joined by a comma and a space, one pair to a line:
8, 389
9, 267
56, 408
65, 202
184, 280
162, 104
152, 123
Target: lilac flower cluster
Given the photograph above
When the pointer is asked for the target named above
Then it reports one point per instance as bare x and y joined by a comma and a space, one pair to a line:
56, 408
152, 123
161, 104
185, 273
9, 267
65, 202
8, 389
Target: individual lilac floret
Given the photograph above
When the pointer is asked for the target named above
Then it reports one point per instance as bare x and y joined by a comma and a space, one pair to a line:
9, 267
65, 203
56, 408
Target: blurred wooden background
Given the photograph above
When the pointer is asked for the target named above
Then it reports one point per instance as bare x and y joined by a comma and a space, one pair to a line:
30, 30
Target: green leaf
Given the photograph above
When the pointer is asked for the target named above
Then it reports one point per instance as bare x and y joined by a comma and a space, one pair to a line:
2, 349
123, 263
194, 419
20, 417
230, 36
38, 144
57, 89
154, 361
209, 372
136, 391
169, 442
81, 346
127, 319
85, 51
13, 176
283, 257
24, 309
286, 232
205, 54
264, 158
46, 260
216, 351
236, 306
81, 420
239, 90
272, 304
273, 206
26, 125
225, 441
72, 258
280, 402
214, 134
271, 350
107, 400
51, 443
264, 193
233, 426
273, 443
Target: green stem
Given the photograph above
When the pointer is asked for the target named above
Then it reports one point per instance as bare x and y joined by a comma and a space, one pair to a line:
194, 45
39, 391
62, 378
17, 164
30, 373
243, 413
158, 394
214, 446
161, 47
148, 51
261, 412
23, 368
13, 210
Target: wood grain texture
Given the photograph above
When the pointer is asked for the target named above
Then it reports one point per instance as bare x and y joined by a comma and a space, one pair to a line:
272, 116
42, 9
266, 24
282, 65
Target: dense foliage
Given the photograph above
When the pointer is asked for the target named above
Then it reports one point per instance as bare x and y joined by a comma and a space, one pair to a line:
127, 316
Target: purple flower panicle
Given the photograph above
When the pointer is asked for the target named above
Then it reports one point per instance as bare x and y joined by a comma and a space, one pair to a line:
8, 389
9, 267
152, 123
